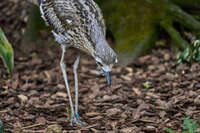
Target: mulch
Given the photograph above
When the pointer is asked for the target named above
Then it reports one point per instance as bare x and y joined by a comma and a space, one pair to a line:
147, 96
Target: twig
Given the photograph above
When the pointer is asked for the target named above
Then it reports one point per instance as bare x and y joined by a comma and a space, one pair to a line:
36, 125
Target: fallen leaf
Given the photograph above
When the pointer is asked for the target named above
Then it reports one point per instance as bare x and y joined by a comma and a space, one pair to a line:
197, 100
125, 77
54, 129
61, 94
113, 111
41, 120
137, 91
23, 98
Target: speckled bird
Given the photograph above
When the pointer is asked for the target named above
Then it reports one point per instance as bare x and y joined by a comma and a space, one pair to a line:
79, 24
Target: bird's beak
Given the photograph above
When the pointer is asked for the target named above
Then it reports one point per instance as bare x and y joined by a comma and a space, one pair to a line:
107, 75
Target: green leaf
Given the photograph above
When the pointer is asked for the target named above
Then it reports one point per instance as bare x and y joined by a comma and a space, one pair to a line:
147, 85
168, 130
196, 51
189, 125
186, 56
1, 127
6, 52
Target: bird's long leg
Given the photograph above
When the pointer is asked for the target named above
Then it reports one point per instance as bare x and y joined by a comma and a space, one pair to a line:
63, 68
74, 118
75, 67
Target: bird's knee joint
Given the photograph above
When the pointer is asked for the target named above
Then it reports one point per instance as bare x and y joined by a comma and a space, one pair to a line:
62, 64
75, 67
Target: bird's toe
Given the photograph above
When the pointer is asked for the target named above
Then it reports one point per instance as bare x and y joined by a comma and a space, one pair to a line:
78, 122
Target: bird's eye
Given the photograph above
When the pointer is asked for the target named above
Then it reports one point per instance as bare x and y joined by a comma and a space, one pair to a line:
99, 63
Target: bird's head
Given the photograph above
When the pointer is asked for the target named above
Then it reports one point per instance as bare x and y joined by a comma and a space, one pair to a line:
105, 58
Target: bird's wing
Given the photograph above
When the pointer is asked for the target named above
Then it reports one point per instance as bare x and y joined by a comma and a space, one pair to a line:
94, 13
59, 14
100, 18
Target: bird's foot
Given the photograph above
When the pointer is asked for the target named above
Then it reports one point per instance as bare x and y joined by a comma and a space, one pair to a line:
76, 121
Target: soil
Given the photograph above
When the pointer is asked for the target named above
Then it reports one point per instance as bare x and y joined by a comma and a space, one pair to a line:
149, 95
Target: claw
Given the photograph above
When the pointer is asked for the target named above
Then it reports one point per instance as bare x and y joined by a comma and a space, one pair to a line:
76, 121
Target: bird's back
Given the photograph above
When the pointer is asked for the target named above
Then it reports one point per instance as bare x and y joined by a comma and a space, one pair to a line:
78, 21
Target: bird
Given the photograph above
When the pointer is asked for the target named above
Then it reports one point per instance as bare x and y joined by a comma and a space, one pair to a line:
79, 24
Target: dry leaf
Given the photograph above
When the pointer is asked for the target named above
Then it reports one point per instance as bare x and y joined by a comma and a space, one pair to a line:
23, 98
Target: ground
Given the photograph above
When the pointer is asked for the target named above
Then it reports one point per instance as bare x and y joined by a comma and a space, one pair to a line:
34, 98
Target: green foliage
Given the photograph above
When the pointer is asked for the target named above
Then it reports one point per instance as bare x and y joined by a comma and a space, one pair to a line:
196, 51
6, 52
168, 130
189, 126
1, 127
190, 54
185, 56
147, 85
